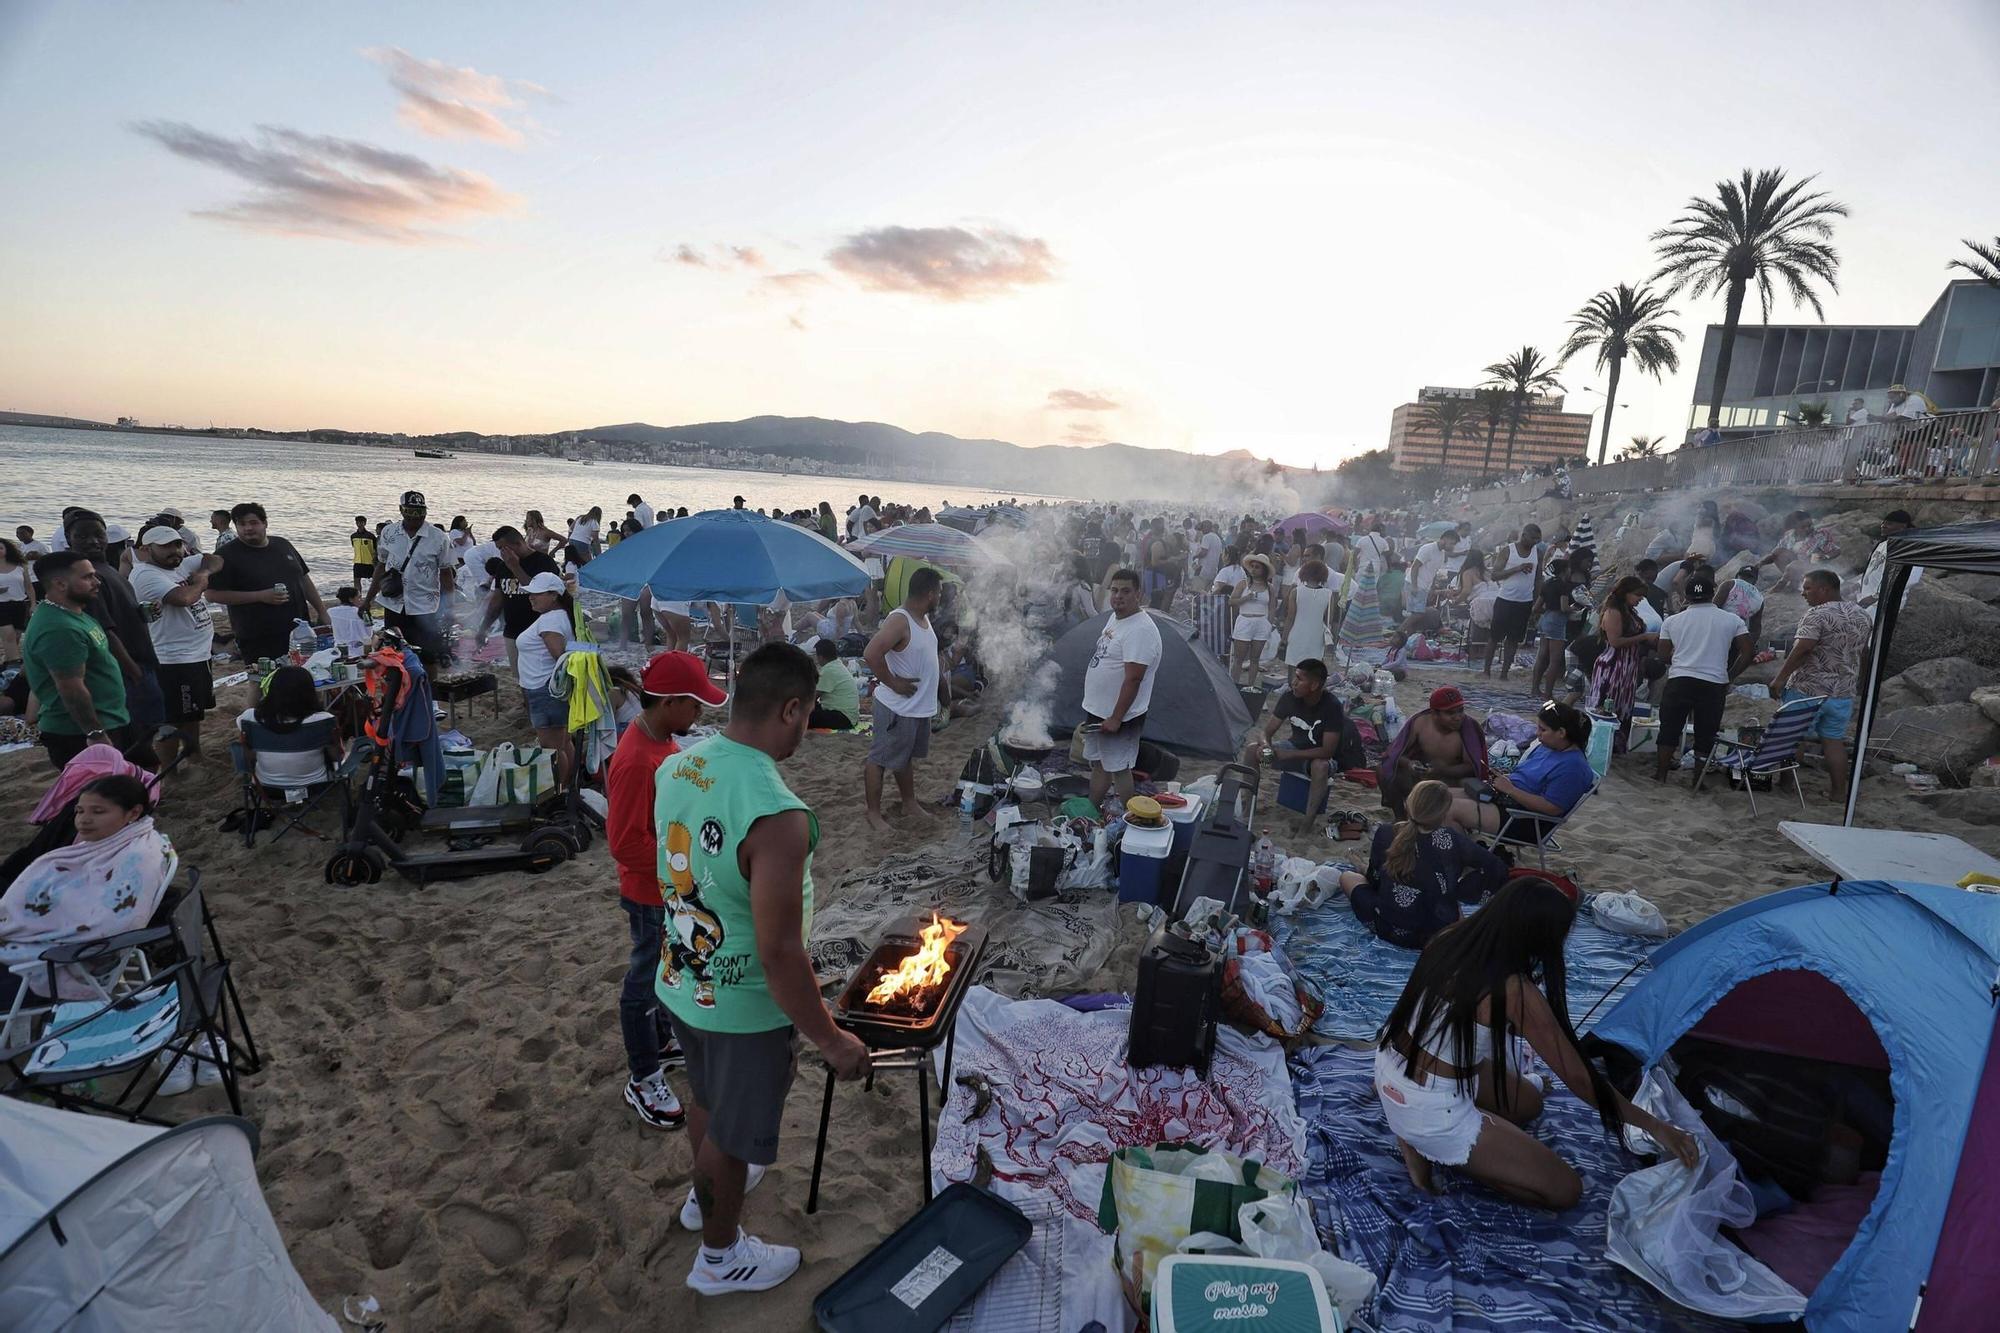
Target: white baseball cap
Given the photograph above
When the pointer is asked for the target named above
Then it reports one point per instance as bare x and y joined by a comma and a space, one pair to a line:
159, 536
545, 582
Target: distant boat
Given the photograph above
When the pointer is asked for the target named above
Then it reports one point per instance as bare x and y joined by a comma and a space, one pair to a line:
586, 462
432, 453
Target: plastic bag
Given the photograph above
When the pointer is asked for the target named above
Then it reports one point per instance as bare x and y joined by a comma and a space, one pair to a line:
1155, 1199
514, 776
1281, 1228
1629, 914
1664, 1223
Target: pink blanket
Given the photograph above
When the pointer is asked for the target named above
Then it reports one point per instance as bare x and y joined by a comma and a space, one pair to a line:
1803, 1245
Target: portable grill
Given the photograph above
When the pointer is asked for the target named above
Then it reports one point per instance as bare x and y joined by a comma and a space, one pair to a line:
901, 1033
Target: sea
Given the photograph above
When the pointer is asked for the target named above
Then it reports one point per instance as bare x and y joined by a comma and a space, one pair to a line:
313, 491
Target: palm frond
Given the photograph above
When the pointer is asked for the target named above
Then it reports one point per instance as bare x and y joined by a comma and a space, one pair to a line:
1985, 265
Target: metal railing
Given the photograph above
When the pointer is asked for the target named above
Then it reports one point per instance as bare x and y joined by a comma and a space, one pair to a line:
1961, 447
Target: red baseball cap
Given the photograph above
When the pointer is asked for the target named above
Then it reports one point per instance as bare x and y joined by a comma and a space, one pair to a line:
674, 675
1446, 697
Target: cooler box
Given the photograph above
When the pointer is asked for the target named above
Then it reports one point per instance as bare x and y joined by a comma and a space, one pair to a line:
1142, 863
1294, 789
1199, 1291
1183, 819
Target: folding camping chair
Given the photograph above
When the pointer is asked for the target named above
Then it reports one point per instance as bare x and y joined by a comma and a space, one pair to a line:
188, 1009
103, 977
1775, 753
298, 800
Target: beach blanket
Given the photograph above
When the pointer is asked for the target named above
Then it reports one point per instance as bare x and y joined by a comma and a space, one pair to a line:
1359, 976
1048, 947
1467, 1260
1058, 1100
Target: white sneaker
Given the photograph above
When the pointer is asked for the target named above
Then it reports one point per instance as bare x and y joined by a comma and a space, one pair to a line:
179, 1079
207, 1075
655, 1102
748, 1265
691, 1210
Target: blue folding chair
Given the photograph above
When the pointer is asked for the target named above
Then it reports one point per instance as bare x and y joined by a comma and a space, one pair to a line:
297, 800
1775, 753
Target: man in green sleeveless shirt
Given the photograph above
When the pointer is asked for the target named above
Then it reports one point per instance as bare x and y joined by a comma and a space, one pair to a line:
736, 873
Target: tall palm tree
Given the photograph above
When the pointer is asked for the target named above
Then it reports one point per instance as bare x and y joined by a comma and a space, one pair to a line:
1753, 230
1445, 416
1811, 415
1620, 323
1522, 374
1986, 267
1490, 405
1645, 446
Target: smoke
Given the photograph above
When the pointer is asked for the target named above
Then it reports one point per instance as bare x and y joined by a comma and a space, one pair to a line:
1014, 648
1028, 720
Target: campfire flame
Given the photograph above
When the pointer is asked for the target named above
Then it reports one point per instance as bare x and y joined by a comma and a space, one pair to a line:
923, 969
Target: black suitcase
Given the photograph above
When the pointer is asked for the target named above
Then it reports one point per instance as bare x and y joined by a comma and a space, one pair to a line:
1218, 860
1176, 1005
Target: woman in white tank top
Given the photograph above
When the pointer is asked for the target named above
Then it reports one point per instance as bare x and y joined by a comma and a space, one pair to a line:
1306, 621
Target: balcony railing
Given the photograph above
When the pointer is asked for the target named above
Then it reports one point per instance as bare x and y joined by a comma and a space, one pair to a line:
1961, 447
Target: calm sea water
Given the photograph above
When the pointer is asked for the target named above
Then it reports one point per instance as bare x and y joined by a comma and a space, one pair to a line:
313, 491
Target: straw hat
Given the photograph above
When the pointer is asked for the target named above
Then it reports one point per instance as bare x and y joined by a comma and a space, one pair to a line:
1258, 558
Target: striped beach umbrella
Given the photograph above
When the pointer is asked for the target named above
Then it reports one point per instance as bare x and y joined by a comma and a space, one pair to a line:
933, 542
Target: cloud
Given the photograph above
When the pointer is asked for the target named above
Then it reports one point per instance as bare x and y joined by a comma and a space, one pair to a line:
945, 263
1085, 432
797, 319
450, 101
719, 256
799, 280
342, 189
1079, 400
749, 256
683, 254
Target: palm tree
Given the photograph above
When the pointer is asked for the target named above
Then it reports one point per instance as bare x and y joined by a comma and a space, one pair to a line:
1621, 323
1491, 405
1811, 415
1753, 230
1523, 373
1644, 446
1986, 267
1445, 416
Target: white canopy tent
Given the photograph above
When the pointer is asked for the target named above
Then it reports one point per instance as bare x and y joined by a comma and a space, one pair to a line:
107, 1226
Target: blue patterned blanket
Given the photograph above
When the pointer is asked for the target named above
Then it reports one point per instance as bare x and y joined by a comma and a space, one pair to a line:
1466, 1260
1360, 976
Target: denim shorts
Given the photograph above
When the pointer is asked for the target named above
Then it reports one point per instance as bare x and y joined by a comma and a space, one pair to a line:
545, 710
1553, 625
1831, 722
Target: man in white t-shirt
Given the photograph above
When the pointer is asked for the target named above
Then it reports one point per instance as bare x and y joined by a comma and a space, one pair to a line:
1906, 406
1118, 688
640, 510
1704, 646
859, 517
1208, 555
169, 583
419, 554
904, 657
1893, 522
1430, 561
1371, 549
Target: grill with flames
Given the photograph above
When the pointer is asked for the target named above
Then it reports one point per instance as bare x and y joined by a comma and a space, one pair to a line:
908, 990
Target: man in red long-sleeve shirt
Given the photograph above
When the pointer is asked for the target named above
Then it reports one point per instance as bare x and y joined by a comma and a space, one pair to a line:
674, 688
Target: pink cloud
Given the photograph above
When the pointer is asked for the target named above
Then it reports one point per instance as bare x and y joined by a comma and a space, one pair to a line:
452, 101
944, 263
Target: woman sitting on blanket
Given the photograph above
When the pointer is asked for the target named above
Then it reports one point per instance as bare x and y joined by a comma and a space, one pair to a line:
1447, 1069
1420, 870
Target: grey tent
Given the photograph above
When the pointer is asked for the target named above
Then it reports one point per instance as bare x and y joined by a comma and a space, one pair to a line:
1196, 708
107, 1225
1956, 548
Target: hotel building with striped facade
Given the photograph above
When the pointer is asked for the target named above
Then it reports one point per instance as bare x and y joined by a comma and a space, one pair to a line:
1547, 435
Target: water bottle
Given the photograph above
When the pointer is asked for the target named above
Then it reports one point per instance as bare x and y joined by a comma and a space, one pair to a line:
304, 642
1263, 861
965, 799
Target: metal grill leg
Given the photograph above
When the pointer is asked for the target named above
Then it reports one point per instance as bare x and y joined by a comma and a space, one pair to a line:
819, 1145
924, 1121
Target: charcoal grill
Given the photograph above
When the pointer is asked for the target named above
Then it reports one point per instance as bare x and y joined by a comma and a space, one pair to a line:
901, 1036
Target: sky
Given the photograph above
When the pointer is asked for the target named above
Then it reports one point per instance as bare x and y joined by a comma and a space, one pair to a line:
1207, 227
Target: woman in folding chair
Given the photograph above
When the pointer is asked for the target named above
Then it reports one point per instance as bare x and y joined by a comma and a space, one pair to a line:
288, 744
108, 881
1551, 778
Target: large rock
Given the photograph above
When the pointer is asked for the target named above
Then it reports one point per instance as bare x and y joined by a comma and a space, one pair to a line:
1984, 587
1939, 621
1988, 700
1949, 740
1974, 805
1942, 680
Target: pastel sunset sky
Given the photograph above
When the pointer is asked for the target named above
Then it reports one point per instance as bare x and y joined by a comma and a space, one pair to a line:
1197, 226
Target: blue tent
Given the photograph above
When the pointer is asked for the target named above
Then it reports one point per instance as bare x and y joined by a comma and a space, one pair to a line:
1875, 975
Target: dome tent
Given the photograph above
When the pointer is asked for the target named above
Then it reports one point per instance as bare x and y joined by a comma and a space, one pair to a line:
107, 1225
1196, 709
1875, 975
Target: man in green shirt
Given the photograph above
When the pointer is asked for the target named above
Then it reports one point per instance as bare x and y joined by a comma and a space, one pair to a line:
839, 697
67, 657
735, 869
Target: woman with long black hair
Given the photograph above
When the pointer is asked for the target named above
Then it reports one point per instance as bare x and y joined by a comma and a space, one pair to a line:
1446, 1068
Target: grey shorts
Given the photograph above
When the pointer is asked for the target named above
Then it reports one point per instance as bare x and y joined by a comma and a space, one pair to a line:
740, 1079
899, 741
1116, 753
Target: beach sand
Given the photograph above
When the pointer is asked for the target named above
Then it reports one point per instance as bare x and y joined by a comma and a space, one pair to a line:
441, 1115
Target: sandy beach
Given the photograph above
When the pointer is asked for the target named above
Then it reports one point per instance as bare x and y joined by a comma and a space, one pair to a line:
440, 1115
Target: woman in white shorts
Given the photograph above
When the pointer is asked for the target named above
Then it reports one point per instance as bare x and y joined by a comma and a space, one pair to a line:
1453, 1093
1253, 599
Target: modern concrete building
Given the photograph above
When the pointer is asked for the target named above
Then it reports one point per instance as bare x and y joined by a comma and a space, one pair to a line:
1547, 435
1952, 357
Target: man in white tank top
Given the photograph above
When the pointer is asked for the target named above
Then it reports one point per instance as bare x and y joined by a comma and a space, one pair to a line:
904, 657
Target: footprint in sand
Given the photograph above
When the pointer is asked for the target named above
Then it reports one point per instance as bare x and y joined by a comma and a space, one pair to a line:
496, 1236
536, 1049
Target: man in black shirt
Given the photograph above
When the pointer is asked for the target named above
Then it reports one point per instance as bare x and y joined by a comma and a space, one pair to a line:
1313, 720
510, 570
116, 609
263, 583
